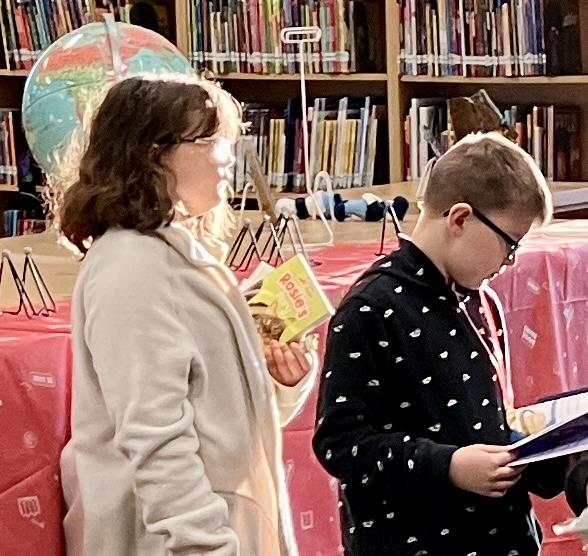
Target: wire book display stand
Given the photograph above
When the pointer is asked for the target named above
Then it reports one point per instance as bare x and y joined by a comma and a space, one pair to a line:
34, 297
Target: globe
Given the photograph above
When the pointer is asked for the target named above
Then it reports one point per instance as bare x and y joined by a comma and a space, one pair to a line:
73, 74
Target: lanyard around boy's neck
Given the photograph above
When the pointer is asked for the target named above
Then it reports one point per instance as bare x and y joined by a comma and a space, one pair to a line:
496, 354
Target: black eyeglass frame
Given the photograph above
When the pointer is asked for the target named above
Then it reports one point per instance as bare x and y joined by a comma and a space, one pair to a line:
513, 244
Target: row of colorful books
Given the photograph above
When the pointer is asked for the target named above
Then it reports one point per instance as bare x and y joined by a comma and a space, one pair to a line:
9, 121
243, 36
27, 28
485, 38
22, 223
18, 169
551, 134
347, 139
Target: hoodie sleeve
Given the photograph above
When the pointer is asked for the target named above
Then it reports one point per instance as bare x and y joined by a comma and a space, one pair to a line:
576, 484
291, 399
352, 439
546, 479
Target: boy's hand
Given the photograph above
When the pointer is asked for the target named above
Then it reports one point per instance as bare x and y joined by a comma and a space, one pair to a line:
483, 470
287, 363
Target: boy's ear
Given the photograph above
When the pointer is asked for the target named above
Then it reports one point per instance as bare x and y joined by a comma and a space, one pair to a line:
457, 216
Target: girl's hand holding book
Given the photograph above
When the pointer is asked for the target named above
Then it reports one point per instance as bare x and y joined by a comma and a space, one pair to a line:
286, 363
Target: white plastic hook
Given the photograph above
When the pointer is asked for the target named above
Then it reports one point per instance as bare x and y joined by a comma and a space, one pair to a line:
298, 35
302, 36
248, 187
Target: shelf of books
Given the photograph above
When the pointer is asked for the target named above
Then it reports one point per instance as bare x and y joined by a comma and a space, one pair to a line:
551, 134
376, 82
347, 84
530, 57
348, 139
510, 38
8, 158
497, 80
28, 28
17, 167
244, 36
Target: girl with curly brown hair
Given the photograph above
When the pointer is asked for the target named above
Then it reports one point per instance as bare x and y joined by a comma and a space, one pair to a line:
176, 444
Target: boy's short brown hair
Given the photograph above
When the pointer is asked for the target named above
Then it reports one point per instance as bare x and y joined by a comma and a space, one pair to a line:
491, 173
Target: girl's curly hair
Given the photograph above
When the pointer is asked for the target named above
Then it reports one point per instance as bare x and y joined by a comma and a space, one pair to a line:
123, 181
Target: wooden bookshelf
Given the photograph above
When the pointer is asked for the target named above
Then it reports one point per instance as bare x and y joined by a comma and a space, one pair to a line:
282, 86
508, 81
14, 73
399, 89
540, 90
340, 78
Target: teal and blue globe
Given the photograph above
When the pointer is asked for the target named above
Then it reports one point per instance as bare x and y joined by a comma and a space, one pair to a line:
75, 72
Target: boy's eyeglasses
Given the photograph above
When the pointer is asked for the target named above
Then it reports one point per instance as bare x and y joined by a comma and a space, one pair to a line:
512, 243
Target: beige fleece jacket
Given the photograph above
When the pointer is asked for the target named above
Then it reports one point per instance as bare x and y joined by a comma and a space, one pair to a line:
176, 441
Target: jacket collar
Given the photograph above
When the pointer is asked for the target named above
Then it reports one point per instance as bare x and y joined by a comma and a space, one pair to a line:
181, 237
409, 264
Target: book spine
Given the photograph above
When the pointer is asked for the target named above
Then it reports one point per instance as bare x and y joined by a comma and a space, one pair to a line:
12, 160
255, 59
8, 56
436, 66
550, 141
413, 35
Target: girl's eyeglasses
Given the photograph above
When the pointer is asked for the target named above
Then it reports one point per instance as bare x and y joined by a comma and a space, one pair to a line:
205, 141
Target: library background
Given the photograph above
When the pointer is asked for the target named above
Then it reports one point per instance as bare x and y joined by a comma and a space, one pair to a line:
390, 84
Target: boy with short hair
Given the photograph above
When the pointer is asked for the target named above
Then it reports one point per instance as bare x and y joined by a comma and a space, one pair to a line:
411, 415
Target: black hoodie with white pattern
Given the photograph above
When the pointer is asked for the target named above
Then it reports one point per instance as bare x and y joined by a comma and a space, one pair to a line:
406, 381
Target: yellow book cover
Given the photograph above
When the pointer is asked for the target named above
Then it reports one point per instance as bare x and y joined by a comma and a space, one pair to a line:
290, 302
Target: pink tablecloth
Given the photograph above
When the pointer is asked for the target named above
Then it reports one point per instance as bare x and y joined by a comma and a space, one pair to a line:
34, 419
546, 301
545, 298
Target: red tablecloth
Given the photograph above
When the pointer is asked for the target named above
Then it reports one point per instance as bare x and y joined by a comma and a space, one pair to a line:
546, 301
34, 416
56, 323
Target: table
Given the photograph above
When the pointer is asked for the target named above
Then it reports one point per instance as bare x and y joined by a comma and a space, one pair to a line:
546, 300
35, 388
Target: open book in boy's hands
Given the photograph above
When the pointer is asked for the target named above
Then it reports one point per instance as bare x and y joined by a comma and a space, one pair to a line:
550, 429
289, 303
